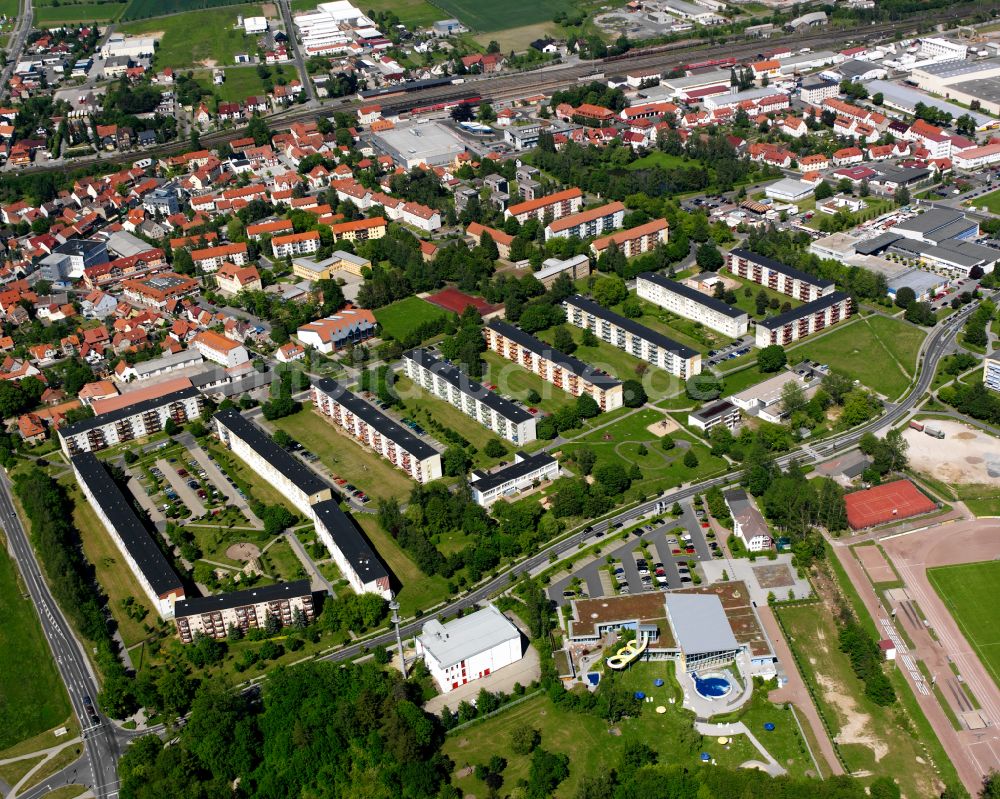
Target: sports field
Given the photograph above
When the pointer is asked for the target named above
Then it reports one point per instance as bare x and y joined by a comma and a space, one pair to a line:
966, 589
399, 318
879, 351
198, 38
32, 697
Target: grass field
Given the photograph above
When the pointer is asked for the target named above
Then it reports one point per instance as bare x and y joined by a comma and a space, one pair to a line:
345, 457
513, 380
412, 13
660, 159
683, 331
142, 9
871, 738
49, 15
487, 17
113, 572
399, 318
241, 82
9, 8
32, 696
990, 201
879, 351
963, 589
245, 476
198, 38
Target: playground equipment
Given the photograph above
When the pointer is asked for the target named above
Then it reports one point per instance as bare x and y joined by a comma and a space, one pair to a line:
629, 653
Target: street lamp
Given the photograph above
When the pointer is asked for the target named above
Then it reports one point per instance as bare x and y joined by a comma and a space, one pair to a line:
394, 618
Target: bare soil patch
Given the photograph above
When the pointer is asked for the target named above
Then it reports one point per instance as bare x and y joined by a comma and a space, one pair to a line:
875, 564
964, 455
243, 551
779, 576
664, 427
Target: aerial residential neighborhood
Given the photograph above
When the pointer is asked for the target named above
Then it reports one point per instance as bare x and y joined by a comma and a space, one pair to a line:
463, 400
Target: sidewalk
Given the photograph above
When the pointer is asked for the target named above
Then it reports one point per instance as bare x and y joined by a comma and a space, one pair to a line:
316, 578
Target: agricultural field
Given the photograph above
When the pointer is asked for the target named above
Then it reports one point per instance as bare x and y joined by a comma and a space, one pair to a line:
399, 318
963, 588
9, 8
198, 38
48, 13
143, 9
872, 739
879, 351
488, 17
32, 696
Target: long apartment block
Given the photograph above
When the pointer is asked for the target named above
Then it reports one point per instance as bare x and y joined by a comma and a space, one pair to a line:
558, 205
584, 225
777, 276
150, 566
563, 371
136, 420
451, 384
632, 337
292, 478
636, 240
804, 320
690, 303
350, 550
245, 610
377, 431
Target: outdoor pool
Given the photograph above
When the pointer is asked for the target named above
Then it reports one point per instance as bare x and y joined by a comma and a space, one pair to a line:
712, 686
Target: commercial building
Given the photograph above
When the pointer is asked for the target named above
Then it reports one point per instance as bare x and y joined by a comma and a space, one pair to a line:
350, 550
563, 371
937, 225
702, 631
245, 610
377, 431
723, 412
525, 471
299, 484
777, 276
147, 562
576, 267
802, 321
634, 241
144, 370
295, 244
632, 337
136, 414
790, 190
586, 224
963, 81
764, 398
558, 205
157, 291
468, 648
332, 333
904, 98
339, 261
220, 349
690, 303
449, 383
420, 144
748, 523
119, 45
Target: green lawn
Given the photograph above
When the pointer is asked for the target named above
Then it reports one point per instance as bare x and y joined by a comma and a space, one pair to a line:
32, 696
749, 304
281, 562
77, 12
990, 201
418, 592
683, 331
487, 17
661, 159
345, 457
963, 589
878, 351
871, 738
241, 82
742, 380
399, 318
198, 38
513, 380
9, 8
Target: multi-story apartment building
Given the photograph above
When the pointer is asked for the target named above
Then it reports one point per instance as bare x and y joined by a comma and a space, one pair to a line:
136, 414
354, 556
275, 227
526, 470
212, 616
690, 303
296, 481
211, 258
295, 244
150, 566
777, 276
220, 349
991, 372
634, 241
558, 205
634, 338
584, 225
492, 411
563, 371
804, 320
359, 229
376, 430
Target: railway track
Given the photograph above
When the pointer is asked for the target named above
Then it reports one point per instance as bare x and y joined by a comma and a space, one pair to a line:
506, 87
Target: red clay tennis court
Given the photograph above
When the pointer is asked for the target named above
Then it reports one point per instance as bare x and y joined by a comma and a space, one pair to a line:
899, 499
458, 301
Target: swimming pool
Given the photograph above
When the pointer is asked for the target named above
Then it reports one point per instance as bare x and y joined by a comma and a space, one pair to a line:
712, 686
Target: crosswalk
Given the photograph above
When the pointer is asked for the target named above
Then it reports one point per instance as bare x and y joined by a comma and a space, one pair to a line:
903, 655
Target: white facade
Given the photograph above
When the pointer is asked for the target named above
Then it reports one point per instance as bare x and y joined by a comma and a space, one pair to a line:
129, 46
358, 563
595, 222
253, 26
692, 304
245, 610
295, 244
991, 372
468, 648
633, 338
525, 471
803, 321
724, 413
492, 411
221, 350
777, 276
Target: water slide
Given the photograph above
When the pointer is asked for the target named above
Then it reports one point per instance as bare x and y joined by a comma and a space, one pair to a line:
629, 653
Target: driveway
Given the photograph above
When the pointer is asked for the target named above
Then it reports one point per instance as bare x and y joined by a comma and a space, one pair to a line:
216, 476
179, 484
525, 671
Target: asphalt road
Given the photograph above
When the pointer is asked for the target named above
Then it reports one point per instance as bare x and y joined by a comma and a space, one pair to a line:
296, 48
25, 18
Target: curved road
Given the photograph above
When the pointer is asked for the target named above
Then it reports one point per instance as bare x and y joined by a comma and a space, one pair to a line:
105, 742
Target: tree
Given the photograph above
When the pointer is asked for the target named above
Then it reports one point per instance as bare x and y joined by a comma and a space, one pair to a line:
455, 461
771, 358
793, 397
903, 196
562, 340
609, 290
690, 459
904, 296
171, 428
524, 740
612, 477
823, 191
587, 407
588, 339
494, 448
709, 258
633, 394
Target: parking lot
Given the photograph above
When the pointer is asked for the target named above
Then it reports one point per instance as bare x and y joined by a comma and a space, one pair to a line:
737, 348
672, 543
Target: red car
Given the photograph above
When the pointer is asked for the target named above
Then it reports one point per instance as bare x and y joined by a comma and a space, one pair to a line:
675, 552
704, 524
